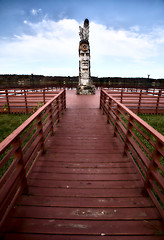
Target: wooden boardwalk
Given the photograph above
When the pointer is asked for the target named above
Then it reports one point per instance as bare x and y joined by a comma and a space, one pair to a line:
83, 188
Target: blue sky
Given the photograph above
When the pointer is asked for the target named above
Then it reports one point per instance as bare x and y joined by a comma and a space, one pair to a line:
41, 37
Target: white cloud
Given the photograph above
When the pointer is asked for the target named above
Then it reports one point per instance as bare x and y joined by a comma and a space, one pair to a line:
53, 49
121, 43
35, 12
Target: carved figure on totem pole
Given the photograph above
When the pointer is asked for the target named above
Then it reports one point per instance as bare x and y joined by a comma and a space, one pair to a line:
85, 86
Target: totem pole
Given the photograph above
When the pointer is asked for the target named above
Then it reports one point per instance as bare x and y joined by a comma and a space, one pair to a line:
85, 85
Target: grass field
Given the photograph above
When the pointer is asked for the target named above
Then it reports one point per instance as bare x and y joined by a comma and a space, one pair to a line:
156, 121
9, 122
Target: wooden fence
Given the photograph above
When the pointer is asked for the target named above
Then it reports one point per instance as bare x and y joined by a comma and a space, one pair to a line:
24, 100
140, 100
21, 149
143, 144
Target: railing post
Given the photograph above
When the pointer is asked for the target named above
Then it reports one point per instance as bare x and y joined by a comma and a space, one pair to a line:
44, 99
102, 102
7, 100
58, 109
50, 119
62, 102
121, 95
64, 98
153, 166
117, 112
139, 102
128, 135
101, 98
40, 132
158, 98
18, 156
25, 98
109, 109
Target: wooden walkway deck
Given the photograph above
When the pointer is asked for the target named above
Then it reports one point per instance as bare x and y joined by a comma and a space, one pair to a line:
83, 188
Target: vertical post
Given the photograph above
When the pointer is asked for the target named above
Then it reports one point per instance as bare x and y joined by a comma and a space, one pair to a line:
101, 98
51, 119
158, 99
117, 112
44, 99
121, 94
104, 102
18, 155
153, 166
58, 109
7, 100
128, 134
139, 102
109, 109
64, 98
25, 98
40, 132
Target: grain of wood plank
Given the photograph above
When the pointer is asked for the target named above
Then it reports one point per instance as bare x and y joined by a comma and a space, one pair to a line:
19, 236
82, 227
85, 213
86, 177
83, 187
84, 184
131, 202
120, 170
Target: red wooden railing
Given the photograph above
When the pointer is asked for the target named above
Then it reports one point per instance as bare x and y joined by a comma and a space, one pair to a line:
21, 149
141, 100
24, 100
142, 143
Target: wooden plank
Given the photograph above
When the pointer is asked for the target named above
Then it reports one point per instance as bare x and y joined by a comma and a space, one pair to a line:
84, 192
84, 184
91, 157
83, 187
84, 164
52, 226
85, 213
85, 201
19, 236
84, 170
85, 177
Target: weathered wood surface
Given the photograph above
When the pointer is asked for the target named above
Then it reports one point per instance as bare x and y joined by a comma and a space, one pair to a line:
140, 101
142, 143
24, 100
83, 187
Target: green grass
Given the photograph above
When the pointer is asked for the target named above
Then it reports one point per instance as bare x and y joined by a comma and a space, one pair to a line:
156, 121
9, 122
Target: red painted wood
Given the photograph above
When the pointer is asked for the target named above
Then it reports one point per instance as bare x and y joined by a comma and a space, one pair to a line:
19, 236
84, 170
83, 187
84, 165
85, 192
82, 227
85, 213
100, 202
86, 177
84, 184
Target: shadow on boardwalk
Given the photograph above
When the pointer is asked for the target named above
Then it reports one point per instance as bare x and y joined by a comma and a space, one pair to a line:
83, 188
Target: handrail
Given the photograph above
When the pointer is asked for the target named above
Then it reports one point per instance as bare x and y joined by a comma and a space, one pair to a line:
21, 149
140, 101
24, 100
142, 143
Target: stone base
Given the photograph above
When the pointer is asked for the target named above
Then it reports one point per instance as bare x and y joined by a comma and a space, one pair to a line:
85, 90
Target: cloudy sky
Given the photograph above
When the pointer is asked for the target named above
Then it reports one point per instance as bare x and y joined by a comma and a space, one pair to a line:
41, 37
